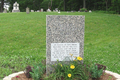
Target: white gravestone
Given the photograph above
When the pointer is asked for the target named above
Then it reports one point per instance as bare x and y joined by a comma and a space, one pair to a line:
41, 9
32, 10
15, 7
48, 10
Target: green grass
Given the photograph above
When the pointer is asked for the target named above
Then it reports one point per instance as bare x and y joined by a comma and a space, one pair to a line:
23, 40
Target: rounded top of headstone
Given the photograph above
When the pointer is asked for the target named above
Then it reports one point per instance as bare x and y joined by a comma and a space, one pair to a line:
16, 4
27, 8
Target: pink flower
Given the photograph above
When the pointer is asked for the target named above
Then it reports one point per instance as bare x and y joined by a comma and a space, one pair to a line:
17, 76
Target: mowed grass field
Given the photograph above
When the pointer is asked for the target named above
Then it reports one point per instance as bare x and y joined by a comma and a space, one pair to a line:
23, 40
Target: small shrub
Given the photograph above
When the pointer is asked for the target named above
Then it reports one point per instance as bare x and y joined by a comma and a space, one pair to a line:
101, 66
37, 71
95, 71
27, 72
83, 9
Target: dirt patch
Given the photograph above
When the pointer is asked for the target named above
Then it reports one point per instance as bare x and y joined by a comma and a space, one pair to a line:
105, 76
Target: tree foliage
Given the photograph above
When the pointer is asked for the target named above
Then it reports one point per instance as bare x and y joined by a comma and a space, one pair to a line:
32, 4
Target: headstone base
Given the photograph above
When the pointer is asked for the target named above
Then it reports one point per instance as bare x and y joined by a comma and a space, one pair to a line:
15, 10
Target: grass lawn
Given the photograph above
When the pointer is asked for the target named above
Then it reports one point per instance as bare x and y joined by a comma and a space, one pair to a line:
23, 40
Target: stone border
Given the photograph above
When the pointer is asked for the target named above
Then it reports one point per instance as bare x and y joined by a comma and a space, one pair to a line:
15, 74
114, 74
12, 75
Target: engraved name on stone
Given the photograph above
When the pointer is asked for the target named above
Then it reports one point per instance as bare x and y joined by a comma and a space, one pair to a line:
62, 51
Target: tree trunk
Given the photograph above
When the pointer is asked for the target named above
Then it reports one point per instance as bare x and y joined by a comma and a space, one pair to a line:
118, 7
64, 5
84, 4
106, 1
2, 4
51, 5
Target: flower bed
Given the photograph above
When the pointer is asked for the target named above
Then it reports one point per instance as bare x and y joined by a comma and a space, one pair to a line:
74, 70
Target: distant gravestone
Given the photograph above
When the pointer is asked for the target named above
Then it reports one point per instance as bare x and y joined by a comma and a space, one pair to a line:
90, 11
27, 10
64, 35
5, 11
38, 11
56, 9
41, 9
15, 7
32, 10
59, 11
48, 10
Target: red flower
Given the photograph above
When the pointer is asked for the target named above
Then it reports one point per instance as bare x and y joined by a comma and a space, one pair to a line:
17, 76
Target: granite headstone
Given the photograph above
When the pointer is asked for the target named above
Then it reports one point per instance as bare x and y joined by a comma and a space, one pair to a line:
64, 36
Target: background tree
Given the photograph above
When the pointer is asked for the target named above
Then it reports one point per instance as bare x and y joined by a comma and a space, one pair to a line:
2, 5
32, 4
112, 6
64, 4
106, 1
51, 4
45, 4
84, 4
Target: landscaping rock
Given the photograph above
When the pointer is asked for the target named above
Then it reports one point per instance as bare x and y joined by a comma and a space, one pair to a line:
12, 75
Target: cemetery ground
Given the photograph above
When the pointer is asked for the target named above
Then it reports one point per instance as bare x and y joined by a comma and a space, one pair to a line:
23, 40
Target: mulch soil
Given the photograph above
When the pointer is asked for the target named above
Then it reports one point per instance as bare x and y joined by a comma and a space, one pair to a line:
105, 76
